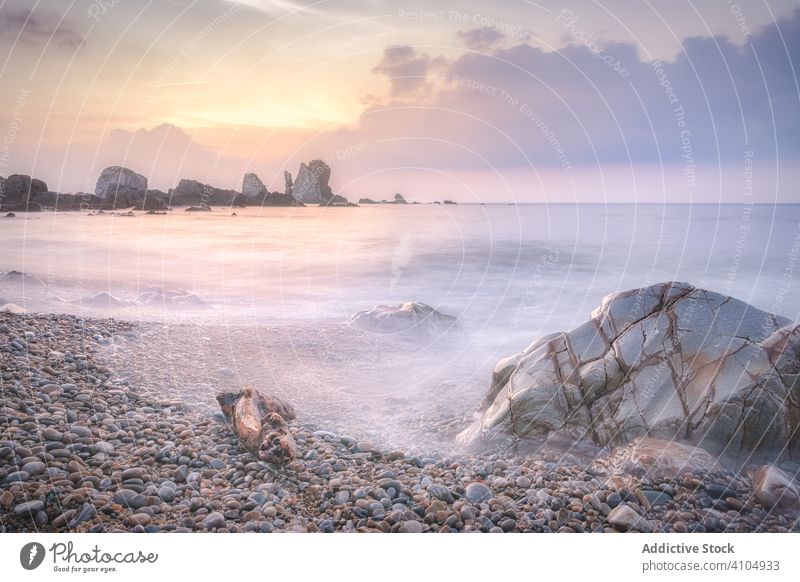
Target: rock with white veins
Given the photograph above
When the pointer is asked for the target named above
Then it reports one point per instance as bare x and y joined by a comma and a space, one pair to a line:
669, 361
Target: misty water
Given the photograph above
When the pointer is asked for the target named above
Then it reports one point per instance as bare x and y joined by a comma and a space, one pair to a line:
278, 286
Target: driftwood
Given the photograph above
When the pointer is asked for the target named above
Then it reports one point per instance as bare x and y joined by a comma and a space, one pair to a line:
260, 422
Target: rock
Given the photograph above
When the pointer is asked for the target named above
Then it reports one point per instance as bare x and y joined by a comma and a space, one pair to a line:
192, 192
440, 492
201, 208
410, 319
171, 298
398, 199
260, 423
660, 361
12, 308
6, 498
252, 186
120, 187
34, 468
19, 278
413, 526
477, 492
775, 489
87, 512
287, 183
311, 184
18, 192
366, 201
624, 517
80, 431
166, 494
654, 459
29, 507
214, 520
104, 300
129, 499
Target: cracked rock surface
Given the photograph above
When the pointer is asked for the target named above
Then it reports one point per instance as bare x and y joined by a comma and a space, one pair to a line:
669, 361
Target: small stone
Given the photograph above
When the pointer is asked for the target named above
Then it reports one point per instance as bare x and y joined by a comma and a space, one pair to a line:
29, 507
166, 494
214, 520
440, 492
34, 468
87, 512
477, 492
624, 517
80, 431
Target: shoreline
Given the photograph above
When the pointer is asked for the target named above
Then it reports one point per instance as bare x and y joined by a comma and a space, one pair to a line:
85, 449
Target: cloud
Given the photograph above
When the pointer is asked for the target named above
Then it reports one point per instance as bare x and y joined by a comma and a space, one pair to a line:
406, 68
480, 39
37, 29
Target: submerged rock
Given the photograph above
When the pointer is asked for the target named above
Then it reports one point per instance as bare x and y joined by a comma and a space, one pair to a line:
104, 300
171, 298
20, 278
669, 361
409, 318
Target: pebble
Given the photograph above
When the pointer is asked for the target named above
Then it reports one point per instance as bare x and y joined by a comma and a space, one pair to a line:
29, 507
477, 492
214, 520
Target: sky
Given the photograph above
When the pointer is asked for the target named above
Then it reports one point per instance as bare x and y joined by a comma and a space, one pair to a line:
572, 101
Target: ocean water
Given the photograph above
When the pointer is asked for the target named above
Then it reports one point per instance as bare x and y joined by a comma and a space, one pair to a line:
277, 284
500, 268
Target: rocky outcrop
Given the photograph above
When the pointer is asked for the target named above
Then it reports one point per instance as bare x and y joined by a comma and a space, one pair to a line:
668, 361
311, 184
252, 186
288, 185
398, 199
411, 318
120, 187
192, 192
19, 192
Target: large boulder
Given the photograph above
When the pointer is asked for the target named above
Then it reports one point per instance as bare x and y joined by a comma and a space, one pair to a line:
120, 187
411, 318
311, 184
252, 186
669, 361
19, 191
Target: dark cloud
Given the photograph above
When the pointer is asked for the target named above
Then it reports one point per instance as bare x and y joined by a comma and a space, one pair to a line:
591, 103
37, 28
480, 39
406, 68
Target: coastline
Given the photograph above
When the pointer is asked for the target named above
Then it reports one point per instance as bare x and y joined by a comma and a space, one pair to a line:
85, 448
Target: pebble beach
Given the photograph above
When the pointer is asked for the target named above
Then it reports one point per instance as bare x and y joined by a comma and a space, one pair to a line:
91, 444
